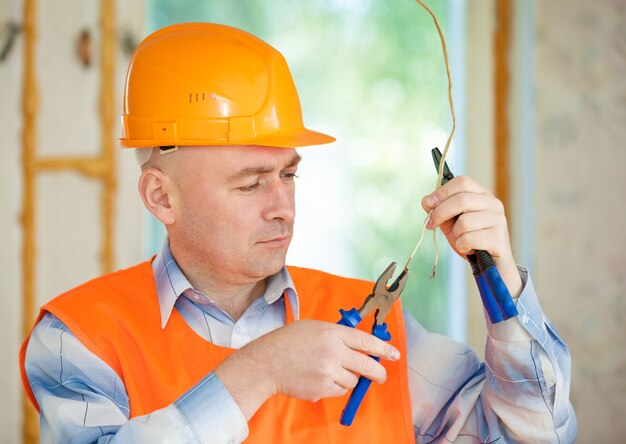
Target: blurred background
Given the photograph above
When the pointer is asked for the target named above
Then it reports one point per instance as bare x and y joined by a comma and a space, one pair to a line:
541, 107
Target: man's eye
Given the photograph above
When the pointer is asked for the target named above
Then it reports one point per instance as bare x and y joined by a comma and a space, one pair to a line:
289, 176
249, 188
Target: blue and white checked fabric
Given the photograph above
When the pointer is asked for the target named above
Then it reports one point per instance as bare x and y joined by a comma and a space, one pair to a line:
520, 394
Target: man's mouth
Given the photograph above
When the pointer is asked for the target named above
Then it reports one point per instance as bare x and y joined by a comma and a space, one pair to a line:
276, 240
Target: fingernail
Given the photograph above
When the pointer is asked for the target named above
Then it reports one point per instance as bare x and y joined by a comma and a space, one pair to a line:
395, 354
429, 224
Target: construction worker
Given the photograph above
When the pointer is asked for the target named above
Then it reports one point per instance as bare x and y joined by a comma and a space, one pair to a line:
216, 340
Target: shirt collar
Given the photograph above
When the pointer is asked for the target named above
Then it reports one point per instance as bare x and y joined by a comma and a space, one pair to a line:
171, 283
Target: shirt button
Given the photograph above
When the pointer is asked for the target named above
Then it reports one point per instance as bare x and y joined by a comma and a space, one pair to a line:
524, 318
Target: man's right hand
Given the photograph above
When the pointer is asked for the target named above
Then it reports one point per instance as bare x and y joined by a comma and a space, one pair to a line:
308, 360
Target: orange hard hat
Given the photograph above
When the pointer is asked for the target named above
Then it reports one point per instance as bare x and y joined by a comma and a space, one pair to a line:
209, 84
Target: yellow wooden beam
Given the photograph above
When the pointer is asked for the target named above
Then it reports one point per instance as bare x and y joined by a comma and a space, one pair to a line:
502, 88
91, 167
107, 125
30, 107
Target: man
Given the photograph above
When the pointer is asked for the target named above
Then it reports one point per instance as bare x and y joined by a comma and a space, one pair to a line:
215, 340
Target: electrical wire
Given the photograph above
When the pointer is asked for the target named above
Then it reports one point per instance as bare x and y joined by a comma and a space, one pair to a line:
447, 146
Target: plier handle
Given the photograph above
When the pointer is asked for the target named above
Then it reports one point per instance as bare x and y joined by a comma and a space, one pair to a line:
493, 292
381, 299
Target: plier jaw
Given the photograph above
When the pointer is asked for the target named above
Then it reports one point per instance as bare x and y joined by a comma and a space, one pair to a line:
381, 299
447, 174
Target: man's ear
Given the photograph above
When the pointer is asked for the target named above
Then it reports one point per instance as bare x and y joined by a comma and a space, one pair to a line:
157, 192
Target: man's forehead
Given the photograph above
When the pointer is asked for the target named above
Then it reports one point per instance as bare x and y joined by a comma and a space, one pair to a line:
250, 162
242, 154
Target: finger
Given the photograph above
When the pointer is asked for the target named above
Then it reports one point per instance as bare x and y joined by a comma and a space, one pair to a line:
333, 390
338, 391
366, 366
490, 240
366, 343
475, 221
347, 379
457, 205
461, 184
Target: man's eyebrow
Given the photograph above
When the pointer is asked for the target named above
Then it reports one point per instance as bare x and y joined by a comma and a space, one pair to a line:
254, 171
294, 161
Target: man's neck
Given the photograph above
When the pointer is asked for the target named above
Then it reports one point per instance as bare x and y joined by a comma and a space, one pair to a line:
235, 300
232, 297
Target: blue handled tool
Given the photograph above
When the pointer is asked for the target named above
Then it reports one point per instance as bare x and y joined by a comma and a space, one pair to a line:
493, 292
380, 299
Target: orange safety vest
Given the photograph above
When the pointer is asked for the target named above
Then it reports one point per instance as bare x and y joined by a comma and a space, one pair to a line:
117, 317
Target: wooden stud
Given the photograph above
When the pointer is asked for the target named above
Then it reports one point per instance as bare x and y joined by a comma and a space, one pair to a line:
502, 85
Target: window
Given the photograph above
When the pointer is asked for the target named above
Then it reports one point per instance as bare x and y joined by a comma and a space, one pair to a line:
371, 74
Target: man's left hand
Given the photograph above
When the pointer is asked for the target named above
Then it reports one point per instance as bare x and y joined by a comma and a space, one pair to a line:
472, 218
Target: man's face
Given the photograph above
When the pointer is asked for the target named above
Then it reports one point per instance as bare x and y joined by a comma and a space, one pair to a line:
234, 209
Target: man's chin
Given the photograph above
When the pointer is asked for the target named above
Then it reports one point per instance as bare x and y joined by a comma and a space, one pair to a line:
268, 266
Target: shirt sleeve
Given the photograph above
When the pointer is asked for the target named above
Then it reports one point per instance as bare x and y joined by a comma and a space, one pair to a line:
83, 400
519, 394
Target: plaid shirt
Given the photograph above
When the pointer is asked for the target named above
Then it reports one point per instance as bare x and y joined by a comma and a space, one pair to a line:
519, 394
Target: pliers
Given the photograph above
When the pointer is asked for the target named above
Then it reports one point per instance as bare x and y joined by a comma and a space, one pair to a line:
493, 292
381, 299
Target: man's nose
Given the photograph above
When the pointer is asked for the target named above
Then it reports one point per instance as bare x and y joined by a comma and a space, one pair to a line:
281, 202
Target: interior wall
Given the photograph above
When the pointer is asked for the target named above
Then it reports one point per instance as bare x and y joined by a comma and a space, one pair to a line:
10, 233
67, 206
567, 218
579, 212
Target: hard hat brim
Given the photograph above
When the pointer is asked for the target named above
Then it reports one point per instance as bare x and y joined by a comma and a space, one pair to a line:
304, 137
